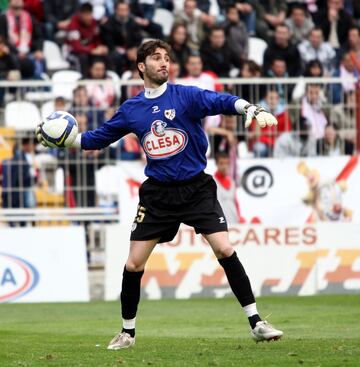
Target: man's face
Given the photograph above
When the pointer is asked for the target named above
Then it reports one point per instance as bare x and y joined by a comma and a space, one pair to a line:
354, 37
156, 67
313, 94
336, 4
298, 16
282, 36
86, 18
272, 99
194, 66
189, 7
16, 4
316, 38
98, 70
217, 38
122, 11
279, 68
233, 15
223, 165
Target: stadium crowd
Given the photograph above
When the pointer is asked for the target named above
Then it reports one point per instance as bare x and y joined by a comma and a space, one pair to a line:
210, 39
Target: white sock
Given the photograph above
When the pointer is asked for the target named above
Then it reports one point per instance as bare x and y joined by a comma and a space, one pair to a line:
129, 324
250, 310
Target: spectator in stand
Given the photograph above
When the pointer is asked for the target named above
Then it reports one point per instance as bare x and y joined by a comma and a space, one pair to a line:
216, 54
335, 23
281, 47
299, 23
296, 143
265, 138
82, 104
150, 29
313, 112
278, 70
23, 35
353, 46
314, 69
178, 39
332, 144
343, 116
347, 71
226, 189
19, 178
201, 79
9, 67
195, 22
83, 38
247, 14
224, 139
132, 90
315, 48
270, 14
36, 9
236, 34
120, 32
102, 95
58, 14
250, 92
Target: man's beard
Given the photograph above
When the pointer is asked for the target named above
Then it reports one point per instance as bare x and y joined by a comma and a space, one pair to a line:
157, 79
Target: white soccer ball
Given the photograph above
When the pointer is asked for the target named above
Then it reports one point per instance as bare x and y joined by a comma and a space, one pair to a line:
59, 129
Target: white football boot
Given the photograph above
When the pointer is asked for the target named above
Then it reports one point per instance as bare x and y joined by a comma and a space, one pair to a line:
265, 331
121, 340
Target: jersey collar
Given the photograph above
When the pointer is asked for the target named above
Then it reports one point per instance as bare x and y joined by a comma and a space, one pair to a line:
155, 92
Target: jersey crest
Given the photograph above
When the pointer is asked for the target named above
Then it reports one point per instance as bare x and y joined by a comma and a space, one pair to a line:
170, 114
163, 142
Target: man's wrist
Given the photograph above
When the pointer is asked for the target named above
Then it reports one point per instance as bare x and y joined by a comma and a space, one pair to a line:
77, 142
240, 105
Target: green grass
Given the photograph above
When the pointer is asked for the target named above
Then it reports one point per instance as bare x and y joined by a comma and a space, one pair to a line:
319, 331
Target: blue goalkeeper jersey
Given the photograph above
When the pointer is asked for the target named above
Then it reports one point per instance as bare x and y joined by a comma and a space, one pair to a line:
169, 129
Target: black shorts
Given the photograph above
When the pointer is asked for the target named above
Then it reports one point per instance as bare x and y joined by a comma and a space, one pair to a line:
163, 206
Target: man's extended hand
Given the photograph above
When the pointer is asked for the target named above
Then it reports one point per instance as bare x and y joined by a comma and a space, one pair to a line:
39, 136
259, 113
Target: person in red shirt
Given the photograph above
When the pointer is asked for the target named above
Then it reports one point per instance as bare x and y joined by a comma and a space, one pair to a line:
83, 38
264, 140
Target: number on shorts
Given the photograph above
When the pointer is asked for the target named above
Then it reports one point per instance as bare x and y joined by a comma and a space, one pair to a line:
140, 215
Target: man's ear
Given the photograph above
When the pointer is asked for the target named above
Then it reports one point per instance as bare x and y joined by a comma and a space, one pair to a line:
141, 66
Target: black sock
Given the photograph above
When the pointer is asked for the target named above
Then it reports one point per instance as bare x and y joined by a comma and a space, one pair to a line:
130, 295
131, 332
238, 280
253, 320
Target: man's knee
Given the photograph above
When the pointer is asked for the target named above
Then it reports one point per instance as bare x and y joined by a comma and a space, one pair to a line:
134, 266
224, 252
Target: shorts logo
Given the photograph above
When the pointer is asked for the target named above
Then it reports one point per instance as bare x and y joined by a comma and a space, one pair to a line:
221, 220
133, 227
163, 142
170, 114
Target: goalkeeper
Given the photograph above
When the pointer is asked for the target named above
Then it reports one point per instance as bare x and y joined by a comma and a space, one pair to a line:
167, 120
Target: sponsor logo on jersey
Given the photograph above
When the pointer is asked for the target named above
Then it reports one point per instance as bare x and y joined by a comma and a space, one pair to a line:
170, 114
17, 277
163, 142
155, 109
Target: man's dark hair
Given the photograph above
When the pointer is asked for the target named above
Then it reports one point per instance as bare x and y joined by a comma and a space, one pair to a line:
147, 49
220, 155
86, 8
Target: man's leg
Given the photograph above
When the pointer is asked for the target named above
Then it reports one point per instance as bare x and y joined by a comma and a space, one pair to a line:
240, 285
130, 293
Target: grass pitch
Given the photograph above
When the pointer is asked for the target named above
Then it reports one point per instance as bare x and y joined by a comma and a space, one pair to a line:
319, 331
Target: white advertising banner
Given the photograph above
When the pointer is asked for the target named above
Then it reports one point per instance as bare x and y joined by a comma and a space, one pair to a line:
273, 191
292, 260
43, 265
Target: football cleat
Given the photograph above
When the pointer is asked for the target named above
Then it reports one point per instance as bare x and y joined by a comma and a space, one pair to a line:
121, 340
265, 331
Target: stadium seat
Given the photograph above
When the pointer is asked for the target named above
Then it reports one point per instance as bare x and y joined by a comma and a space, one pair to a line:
53, 56
22, 115
257, 47
165, 18
64, 82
